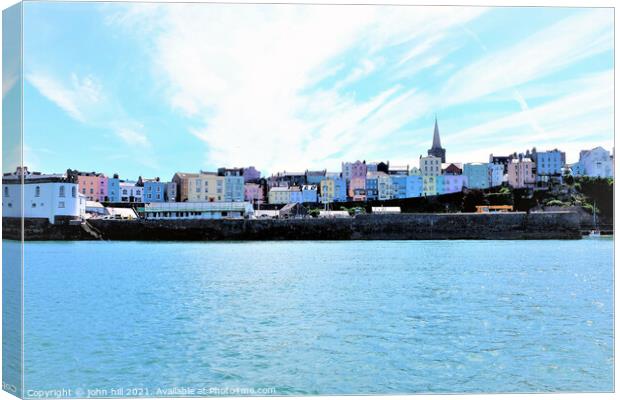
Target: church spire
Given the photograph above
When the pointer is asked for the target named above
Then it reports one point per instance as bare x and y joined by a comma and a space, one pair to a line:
436, 150
436, 140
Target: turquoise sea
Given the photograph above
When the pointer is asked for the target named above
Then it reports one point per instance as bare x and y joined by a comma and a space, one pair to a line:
109, 319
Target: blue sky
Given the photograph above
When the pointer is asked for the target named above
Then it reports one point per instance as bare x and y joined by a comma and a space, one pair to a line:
150, 89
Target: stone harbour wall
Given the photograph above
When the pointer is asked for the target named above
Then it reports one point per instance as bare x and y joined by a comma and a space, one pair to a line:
547, 225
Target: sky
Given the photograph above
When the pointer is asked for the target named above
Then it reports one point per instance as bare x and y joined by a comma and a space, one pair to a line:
152, 89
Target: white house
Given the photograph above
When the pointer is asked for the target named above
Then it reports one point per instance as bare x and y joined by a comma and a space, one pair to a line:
130, 192
54, 197
596, 163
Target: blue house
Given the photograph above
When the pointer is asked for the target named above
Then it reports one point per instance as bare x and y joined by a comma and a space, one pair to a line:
415, 185
114, 189
399, 186
315, 177
340, 189
154, 191
309, 194
372, 185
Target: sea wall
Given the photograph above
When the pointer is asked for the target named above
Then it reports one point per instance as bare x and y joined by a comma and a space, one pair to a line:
552, 225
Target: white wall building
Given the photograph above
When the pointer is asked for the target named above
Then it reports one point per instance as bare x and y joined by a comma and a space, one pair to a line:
130, 193
596, 163
53, 196
201, 210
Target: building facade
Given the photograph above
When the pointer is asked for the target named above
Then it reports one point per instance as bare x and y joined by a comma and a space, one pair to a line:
309, 194
131, 192
357, 188
93, 185
385, 189
201, 210
595, 163
496, 174
253, 193
183, 179
477, 175
521, 173
279, 195
206, 186
233, 183
171, 192
114, 189
154, 190
451, 183
54, 197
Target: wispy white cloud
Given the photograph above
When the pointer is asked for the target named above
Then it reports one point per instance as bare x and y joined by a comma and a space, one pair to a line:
564, 43
75, 98
84, 99
569, 121
251, 89
132, 137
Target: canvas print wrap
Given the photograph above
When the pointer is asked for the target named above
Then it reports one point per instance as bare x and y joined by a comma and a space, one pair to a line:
207, 200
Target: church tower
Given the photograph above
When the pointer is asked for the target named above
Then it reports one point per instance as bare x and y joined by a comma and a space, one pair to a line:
436, 150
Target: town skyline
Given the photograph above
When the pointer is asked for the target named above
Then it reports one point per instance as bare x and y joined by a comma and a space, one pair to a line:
163, 98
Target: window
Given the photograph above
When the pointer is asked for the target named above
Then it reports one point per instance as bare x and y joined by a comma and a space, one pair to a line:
148, 196
83, 190
61, 204
137, 193
37, 191
61, 191
91, 191
6, 191
34, 205
73, 191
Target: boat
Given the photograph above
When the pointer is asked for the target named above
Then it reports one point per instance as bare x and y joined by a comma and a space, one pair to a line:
596, 232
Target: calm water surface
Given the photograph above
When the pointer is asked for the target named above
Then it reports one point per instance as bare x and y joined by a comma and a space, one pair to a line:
320, 317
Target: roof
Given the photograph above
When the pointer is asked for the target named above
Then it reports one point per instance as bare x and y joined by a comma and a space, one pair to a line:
279, 189
375, 174
123, 212
186, 174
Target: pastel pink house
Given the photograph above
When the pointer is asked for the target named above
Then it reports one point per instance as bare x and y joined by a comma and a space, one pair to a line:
253, 193
357, 188
93, 185
521, 173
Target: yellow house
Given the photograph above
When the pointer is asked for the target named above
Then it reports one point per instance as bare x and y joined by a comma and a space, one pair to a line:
328, 190
207, 186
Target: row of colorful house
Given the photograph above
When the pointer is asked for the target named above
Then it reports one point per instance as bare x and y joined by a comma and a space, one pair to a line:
356, 181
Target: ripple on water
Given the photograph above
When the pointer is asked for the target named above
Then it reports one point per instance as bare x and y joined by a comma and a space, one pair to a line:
322, 317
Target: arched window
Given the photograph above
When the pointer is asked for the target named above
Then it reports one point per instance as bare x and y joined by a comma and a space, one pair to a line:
37, 191
73, 191
61, 191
